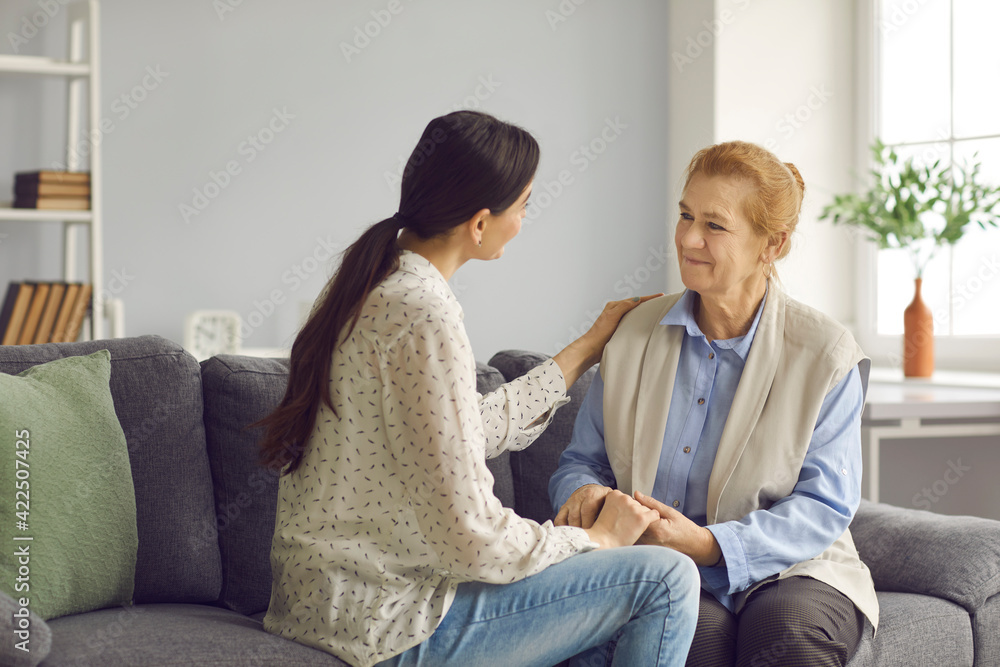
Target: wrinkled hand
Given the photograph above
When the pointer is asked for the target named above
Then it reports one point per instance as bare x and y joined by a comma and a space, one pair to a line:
621, 521
583, 507
678, 532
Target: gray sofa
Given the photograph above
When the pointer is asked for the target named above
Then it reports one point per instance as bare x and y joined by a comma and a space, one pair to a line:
205, 515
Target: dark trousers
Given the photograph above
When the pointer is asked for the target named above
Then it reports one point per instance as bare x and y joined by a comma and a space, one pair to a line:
793, 621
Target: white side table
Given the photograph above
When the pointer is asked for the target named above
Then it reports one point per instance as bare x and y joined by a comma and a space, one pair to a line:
950, 405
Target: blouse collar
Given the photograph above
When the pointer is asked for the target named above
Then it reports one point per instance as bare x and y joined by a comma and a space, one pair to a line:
419, 266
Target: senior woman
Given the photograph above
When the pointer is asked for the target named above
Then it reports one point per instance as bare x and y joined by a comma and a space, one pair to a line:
735, 412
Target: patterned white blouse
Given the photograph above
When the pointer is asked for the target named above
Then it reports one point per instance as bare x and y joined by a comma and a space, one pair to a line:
392, 506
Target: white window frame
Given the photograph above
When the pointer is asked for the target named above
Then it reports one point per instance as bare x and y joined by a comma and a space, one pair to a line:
967, 353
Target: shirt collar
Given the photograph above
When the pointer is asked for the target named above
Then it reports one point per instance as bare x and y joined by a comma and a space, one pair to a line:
682, 314
419, 266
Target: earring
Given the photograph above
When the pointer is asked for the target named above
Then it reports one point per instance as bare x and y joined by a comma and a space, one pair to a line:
480, 243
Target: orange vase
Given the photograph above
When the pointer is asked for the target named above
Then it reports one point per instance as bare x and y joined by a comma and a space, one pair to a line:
918, 338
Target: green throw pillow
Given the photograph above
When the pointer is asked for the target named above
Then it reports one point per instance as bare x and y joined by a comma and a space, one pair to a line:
67, 504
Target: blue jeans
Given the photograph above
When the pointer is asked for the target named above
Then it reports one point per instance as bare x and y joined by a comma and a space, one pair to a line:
631, 607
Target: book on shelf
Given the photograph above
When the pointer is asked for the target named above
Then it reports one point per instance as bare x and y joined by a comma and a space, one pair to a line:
51, 176
15, 307
43, 312
80, 307
54, 203
52, 190
48, 319
34, 190
27, 335
59, 329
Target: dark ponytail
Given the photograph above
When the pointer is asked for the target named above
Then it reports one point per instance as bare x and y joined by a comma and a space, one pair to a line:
464, 162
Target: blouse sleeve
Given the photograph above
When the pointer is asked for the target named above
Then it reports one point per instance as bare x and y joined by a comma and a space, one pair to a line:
518, 412
435, 432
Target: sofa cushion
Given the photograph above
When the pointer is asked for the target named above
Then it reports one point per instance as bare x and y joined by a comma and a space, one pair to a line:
156, 387
72, 471
532, 467
27, 639
985, 624
917, 630
174, 634
914, 551
238, 391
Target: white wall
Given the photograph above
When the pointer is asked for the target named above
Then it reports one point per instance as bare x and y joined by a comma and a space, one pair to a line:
779, 73
691, 123
782, 73
594, 76
785, 80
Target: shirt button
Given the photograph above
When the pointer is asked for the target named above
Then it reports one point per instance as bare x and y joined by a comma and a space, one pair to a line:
711, 355
701, 401
687, 450
677, 503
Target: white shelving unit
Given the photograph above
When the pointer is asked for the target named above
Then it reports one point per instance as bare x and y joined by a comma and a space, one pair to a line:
82, 67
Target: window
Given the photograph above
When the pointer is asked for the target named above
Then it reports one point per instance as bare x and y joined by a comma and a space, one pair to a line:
936, 94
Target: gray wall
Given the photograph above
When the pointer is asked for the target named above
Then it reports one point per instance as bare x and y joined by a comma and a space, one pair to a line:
346, 122
947, 476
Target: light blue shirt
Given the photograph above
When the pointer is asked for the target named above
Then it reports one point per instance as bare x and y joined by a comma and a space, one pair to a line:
764, 542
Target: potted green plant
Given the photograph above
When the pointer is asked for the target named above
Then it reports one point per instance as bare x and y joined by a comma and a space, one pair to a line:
918, 209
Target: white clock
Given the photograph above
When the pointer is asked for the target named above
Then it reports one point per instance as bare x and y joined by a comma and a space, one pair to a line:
211, 332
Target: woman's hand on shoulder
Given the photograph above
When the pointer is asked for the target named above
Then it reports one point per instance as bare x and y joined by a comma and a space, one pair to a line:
607, 322
586, 350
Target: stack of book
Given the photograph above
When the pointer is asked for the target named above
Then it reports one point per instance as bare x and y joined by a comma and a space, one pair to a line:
54, 190
35, 312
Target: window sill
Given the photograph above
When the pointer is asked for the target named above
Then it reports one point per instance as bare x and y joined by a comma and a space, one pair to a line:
940, 378
971, 357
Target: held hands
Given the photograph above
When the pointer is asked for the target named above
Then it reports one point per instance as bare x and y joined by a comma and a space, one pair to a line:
599, 509
621, 521
673, 529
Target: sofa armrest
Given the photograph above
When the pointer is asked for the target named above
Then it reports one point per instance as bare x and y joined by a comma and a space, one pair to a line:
912, 551
33, 635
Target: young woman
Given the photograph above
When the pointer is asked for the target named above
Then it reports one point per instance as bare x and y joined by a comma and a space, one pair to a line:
389, 545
